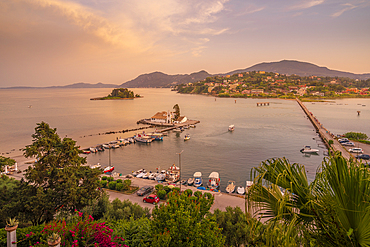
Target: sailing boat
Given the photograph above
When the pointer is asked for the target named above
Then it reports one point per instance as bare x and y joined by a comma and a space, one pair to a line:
109, 168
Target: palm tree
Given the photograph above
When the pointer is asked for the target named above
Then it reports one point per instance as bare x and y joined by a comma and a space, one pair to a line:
333, 210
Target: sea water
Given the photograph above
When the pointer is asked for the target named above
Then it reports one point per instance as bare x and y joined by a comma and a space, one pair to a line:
261, 132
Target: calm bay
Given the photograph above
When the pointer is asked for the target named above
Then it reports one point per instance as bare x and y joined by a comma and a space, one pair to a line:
278, 130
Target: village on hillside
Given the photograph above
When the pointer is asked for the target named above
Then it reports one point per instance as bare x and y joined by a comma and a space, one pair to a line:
275, 85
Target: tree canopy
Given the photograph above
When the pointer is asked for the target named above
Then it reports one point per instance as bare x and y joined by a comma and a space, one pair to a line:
177, 111
58, 181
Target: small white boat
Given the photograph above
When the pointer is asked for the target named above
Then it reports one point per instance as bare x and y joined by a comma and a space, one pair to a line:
309, 150
93, 150
240, 190
143, 138
140, 175
187, 137
115, 146
161, 176
135, 173
230, 187
214, 181
231, 127
153, 175
95, 166
106, 146
192, 125
146, 175
190, 181
197, 179
248, 184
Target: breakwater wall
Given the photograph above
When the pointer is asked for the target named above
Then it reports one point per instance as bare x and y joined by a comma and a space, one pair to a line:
331, 143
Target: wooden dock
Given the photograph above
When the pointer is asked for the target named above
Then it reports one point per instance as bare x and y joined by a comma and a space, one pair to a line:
168, 127
325, 134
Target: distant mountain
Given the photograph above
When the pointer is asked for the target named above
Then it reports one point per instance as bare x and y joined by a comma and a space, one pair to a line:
75, 85
87, 85
159, 79
290, 67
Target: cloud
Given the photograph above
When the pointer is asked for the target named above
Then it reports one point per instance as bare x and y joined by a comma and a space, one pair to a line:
251, 9
347, 7
306, 4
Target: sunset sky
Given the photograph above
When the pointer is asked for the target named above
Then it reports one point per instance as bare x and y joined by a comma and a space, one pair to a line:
57, 42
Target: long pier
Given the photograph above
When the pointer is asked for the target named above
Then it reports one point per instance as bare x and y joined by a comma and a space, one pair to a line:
325, 134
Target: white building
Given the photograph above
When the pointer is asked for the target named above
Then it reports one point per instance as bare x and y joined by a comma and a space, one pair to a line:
162, 117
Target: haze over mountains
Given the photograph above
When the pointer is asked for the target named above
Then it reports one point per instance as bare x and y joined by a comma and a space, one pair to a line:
159, 79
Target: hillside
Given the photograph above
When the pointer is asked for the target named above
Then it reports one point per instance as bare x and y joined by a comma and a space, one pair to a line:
159, 79
290, 67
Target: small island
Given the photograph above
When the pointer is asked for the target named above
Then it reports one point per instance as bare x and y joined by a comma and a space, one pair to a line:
119, 94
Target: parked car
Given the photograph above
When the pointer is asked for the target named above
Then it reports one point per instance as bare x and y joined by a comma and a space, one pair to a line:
356, 150
348, 144
151, 199
343, 140
363, 156
144, 190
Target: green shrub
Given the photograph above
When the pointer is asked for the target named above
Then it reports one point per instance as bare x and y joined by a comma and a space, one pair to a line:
167, 189
194, 198
104, 183
126, 184
119, 186
119, 181
207, 195
112, 185
110, 179
104, 178
161, 194
177, 189
158, 187
198, 194
188, 192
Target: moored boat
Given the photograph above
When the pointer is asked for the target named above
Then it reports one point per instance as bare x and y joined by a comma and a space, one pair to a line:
187, 137
143, 138
93, 150
230, 187
231, 127
240, 190
95, 166
309, 150
214, 181
190, 181
173, 174
198, 179
108, 169
161, 176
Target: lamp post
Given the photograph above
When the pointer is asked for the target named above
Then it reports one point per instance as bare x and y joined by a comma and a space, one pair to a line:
180, 166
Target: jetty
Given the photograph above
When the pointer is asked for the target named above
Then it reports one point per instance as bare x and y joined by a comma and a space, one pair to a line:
263, 103
168, 126
325, 134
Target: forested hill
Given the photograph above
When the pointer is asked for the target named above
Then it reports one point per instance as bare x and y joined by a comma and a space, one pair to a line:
159, 79
290, 67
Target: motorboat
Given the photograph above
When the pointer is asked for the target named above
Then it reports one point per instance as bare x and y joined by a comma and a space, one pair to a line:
153, 175
86, 151
240, 190
114, 146
214, 181
183, 181
100, 148
190, 181
230, 187
187, 137
173, 174
197, 179
231, 127
143, 138
308, 150
161, 176
124, 141
135, 173
146, 175
95, 166
192, 125
248, 184
106, 146
157, 136
141, 174
93, 150
108, 169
